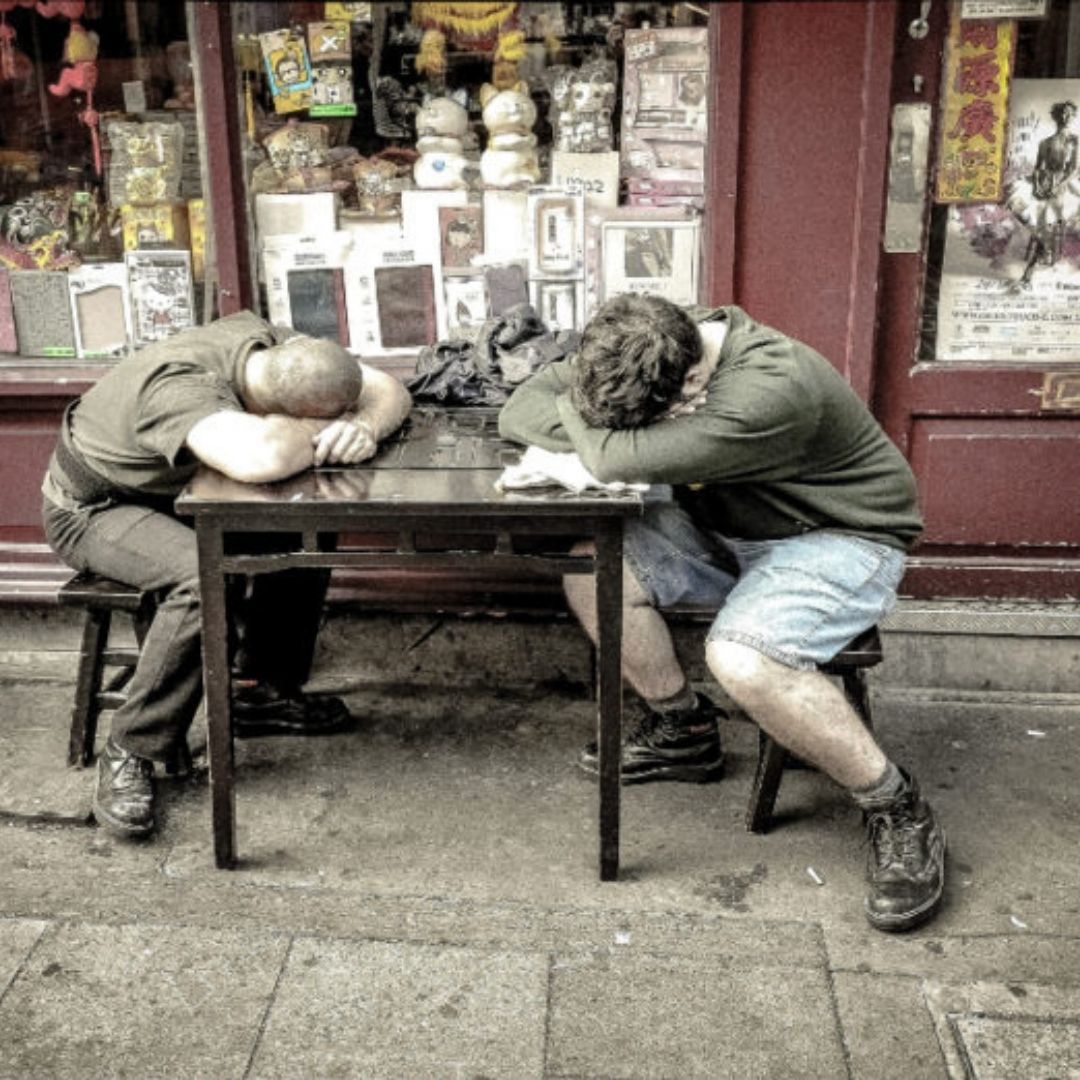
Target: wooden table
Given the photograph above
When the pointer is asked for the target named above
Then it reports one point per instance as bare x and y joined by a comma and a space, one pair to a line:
435, 478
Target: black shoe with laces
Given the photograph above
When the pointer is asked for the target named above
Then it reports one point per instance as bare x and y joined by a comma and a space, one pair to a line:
906, 866
261, 709
668, 746
124, 793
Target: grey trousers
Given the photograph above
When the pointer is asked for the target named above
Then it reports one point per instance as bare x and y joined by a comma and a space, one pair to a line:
276, 617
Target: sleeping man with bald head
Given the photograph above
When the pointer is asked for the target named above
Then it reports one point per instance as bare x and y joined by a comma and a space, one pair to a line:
258, 403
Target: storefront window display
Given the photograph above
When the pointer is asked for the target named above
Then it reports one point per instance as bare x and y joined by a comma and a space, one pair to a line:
417, 169
1003, 279
102, 225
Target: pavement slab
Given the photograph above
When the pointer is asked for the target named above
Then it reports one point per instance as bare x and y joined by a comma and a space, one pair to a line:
378, 1010
138, 1001
677, 1017
17, 938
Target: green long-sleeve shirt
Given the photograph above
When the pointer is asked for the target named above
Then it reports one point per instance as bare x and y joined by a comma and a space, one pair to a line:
781, 445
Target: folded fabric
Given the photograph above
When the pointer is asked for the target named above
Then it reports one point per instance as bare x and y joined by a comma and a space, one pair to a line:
543, 468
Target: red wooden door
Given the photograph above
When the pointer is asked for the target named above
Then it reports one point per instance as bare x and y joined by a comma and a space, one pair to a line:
994, 441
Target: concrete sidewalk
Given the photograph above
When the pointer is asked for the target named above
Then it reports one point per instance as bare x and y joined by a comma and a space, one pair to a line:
419, 898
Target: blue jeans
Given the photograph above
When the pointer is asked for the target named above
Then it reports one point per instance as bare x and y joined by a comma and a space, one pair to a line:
799, 600
154, 551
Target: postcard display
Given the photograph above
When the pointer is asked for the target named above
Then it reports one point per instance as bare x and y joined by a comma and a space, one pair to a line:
399, 258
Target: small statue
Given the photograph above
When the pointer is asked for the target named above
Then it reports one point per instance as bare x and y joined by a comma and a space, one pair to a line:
582, 100
441, 125
510, 158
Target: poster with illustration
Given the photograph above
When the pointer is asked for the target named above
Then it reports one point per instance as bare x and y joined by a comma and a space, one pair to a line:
1010, 282
288, 70
162, 299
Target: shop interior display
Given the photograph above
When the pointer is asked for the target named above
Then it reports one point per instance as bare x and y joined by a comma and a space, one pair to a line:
413, 168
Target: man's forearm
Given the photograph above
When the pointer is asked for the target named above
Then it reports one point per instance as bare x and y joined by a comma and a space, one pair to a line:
384, 403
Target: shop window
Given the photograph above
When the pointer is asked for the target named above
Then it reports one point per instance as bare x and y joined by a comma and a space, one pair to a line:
416, 170
102, 232
1003, 274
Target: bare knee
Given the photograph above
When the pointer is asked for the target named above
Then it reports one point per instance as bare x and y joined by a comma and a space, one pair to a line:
738, 668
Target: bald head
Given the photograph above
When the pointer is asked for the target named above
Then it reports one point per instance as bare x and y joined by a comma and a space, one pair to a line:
305, 376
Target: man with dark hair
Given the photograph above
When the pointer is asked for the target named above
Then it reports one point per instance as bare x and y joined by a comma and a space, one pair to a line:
259, 404
791, 514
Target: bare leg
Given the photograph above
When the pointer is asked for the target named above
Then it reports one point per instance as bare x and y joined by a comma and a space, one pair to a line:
803, 710
649, 661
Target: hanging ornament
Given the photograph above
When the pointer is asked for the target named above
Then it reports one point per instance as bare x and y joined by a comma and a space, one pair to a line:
81, 75
470, 26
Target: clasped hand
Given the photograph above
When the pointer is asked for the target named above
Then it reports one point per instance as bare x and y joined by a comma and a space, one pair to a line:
344, 442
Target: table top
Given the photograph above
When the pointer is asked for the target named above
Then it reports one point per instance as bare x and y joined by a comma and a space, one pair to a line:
442, 462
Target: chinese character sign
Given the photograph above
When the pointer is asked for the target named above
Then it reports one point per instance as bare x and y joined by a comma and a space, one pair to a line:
974, 109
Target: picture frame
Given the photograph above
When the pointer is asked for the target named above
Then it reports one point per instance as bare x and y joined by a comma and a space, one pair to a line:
559, 304
161, 294
649, 250
100, 309
467, 305
556, 234
461, 235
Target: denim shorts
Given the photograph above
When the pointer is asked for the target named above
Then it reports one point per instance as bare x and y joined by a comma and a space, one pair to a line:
799, 600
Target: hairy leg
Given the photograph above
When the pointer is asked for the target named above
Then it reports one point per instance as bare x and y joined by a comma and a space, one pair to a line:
648, 654
803, 710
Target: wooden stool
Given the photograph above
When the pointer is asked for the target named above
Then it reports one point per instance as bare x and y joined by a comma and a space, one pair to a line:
850, 664
100, 598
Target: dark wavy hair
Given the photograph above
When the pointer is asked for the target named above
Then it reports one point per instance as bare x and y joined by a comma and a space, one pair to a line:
634, 356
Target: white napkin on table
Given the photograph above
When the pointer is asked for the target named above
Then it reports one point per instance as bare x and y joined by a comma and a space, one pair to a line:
539, 468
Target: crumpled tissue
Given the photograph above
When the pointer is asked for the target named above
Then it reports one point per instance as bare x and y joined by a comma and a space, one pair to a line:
542, 468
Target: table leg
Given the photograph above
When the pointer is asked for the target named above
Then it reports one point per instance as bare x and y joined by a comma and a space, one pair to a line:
215, 650
609, 690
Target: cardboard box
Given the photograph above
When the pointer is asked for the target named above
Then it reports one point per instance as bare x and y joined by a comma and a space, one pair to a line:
594, 176
155, 225
308, 213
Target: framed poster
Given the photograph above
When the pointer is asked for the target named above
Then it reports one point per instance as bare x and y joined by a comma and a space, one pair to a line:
461, 235
642, 250
100, 309
162, 296
1010, 275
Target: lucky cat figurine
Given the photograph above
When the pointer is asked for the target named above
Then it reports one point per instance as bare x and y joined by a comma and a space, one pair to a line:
510, 158
441, 125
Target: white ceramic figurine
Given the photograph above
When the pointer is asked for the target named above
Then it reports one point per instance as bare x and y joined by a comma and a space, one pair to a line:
510, 157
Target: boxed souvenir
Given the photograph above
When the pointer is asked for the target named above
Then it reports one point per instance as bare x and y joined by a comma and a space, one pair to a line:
162, 296
506, 224
146, 162
644, 250
394, 297
596, 176
9, 342
100, 310
560, 304
305, 283
39, 299
288, 69
329, 42
330, 47
197, 226
300, 214
665, 103
556, 234
461, 235
155, 225
466, 302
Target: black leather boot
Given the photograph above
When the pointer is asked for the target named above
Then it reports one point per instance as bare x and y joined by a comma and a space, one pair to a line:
668, 746
906, 866
124, 794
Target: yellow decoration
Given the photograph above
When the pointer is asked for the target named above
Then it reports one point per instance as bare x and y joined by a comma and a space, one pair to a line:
197, 222
160, 223
510, 49
466, 20
431, 60
81, 45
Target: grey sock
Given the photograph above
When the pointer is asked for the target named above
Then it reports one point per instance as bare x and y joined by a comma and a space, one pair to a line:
684, 701
885, 789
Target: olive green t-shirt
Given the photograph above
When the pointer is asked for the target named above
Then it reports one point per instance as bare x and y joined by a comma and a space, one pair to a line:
782, 445
131, 426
